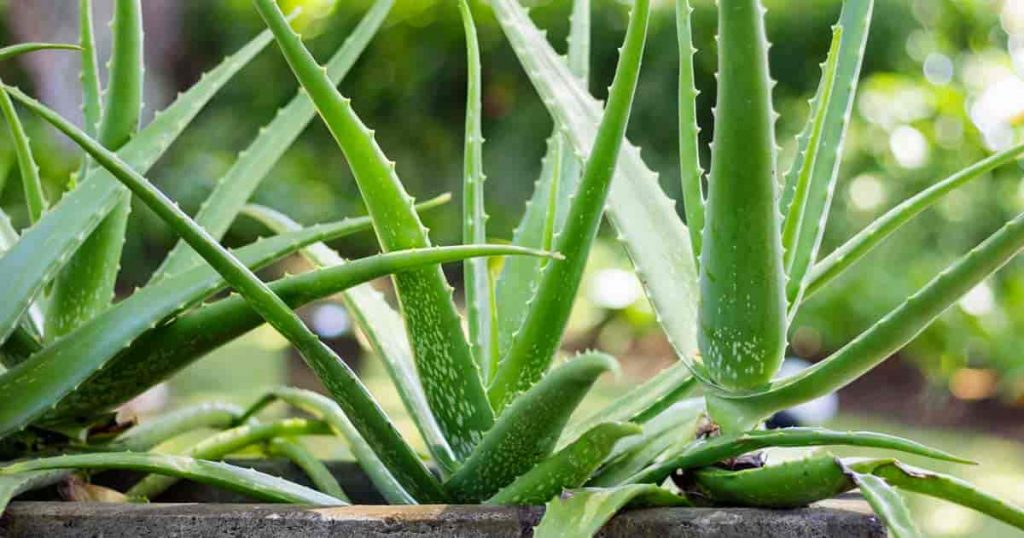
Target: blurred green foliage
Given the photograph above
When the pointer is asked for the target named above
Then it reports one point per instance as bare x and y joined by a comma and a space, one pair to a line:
939, 91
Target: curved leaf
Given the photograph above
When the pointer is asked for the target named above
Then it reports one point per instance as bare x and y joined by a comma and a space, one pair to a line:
245, 481
315, 469
447, 369
888, 505
147, 435
570, 467
581, 513
791, 484
528, 430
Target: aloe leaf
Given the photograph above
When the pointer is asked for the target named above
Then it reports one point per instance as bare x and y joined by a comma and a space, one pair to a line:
11, 51
147, 435
872, 347
92, 106
44, 379
166, 349
480, 311
791, 484
794, 221
888, 505
581, 513
870, 237
692, 174
338, 378
943, 487
568, 468
315, 469
444, 360
655, 237
25, 338
35, 198
383, 330
855, 21
27, 267
665, 434
13, 485
221, 444
711, 451
324, 409
245, 481
641, 403
535, 344
254, 163
85, 286
527, 431
552, 193
742, 335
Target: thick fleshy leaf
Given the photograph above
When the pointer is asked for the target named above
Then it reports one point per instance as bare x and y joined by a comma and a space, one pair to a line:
547, 208
221, 444
444, 359
888, 505
875, 233
879, 342
568, 468
326, 410
85, 285
692, 174
528, 430
35, 199
12, 485
153, 432
714, 450
537, 341
384, 333
245, 481
790, 484
646, 219
315, 469
581, 513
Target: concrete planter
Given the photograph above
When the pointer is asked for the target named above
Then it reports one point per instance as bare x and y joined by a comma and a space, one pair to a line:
198, 511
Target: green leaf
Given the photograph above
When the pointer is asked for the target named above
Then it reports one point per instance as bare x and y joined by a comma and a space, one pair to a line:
692, 174
315, 469
164, 350
641, 403
855, 21
797, 209
548, 207
870, 237
879, 342
570, 467
383, 331
791, 484
324, 409
35, 198
85, 286
480, 309
447, 369
245, 481
711, 451
645, 218
535, 344
742, 334
943, 487
28, 266
337, 377
45, 378
92, 106
254, 163
221, 444
12, 51
528, 430
665, 434
12, 485
147, 435
888, 505
581, 513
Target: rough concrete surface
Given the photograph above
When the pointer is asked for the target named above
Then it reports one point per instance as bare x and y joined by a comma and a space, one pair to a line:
833, 519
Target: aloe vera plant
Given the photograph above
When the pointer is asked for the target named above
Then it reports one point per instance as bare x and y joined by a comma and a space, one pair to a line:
494, 404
